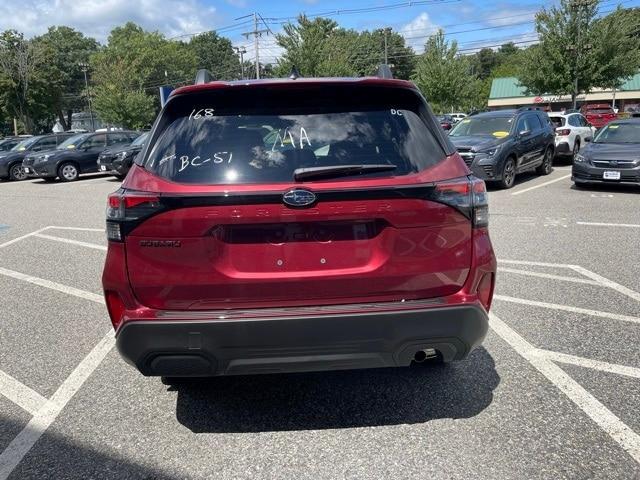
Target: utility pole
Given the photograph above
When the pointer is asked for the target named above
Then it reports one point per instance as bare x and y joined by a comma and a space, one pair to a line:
85, 68
256, 33
241, 51
386, 47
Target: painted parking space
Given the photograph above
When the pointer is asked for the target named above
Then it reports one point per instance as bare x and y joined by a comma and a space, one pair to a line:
562, 337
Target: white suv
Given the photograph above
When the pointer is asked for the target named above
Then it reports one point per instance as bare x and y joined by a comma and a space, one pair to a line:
458, 116
571, 131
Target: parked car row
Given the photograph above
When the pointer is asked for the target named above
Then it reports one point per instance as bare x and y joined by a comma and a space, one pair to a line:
501, 144
67, 155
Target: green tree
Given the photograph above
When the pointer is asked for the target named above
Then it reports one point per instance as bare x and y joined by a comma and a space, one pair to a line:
23, 91
129, 70
66, 49
442, 75
618, 48
216, 54
320, 48
484, 61
305, 45
577, 52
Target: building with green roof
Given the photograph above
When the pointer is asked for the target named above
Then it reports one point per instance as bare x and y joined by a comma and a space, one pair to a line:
506, 92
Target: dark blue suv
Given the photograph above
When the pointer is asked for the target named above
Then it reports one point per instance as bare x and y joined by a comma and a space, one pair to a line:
498, 145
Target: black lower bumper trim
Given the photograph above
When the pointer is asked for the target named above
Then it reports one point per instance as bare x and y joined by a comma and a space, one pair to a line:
298, 344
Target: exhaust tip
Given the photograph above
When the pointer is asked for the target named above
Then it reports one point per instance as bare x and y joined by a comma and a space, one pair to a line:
426, 354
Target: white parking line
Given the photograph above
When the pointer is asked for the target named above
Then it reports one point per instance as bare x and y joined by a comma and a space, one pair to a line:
20, 394
549, 276
71, 241
590, 363
76, 292
541, 185
22, 237
601, 415
606, 282
567, 308
598, 224
46, 415
79, 229
535, 264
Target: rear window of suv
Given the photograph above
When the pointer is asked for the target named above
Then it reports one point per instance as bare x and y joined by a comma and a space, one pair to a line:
263, 134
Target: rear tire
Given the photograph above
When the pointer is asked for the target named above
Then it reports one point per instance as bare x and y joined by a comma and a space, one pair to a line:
547, 163
508, 174
68, 172
16, 172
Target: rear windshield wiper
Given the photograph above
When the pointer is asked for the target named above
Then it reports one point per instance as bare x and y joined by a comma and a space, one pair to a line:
331, 171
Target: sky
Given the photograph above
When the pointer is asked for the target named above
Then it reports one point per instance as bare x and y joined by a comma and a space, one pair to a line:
473, 23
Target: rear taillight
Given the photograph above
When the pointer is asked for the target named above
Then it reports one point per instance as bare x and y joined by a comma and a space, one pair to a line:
467, 194
563, 132
125, 208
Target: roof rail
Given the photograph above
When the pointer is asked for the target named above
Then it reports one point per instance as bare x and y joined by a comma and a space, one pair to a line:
203, 76
384, 71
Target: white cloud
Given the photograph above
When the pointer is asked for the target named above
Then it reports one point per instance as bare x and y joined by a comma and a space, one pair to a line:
96, 18
418, 30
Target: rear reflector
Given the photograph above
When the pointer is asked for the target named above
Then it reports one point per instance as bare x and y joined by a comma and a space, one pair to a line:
485, 290
115, 307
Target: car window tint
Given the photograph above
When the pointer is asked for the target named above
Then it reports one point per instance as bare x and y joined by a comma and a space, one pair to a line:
46, 143
523, 124
535, 122
265, 139
95, 141
117, 138
583, 121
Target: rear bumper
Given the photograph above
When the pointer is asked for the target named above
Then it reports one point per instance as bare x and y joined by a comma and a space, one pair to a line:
215, 346
562, 148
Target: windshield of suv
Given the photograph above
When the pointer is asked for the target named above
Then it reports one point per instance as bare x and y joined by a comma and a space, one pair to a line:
72, 142
496, 126
619, 133
24, 144
231, 137
140, 140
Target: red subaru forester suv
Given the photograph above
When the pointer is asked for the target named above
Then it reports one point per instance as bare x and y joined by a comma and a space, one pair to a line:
297, 225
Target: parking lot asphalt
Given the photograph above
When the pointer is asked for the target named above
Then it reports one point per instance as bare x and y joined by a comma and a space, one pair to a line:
554, 392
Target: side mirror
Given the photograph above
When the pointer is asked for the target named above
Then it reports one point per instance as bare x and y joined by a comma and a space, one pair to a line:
587, 139
525, 133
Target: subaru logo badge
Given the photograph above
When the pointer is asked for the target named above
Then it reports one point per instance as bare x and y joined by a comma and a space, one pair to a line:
299, 197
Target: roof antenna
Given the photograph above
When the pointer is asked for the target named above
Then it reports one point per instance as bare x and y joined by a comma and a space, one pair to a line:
203, 76
294, 73
384, 71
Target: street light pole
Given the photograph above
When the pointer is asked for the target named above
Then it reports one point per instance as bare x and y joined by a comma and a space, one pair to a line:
85, 68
